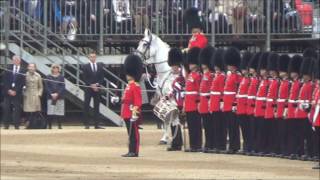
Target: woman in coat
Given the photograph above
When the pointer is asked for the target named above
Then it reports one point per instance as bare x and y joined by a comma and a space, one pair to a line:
55, 88
32, 94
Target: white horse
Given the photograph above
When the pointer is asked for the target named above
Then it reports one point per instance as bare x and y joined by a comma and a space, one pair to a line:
153, 50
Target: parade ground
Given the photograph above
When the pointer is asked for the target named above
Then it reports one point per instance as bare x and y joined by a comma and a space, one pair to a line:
74, 153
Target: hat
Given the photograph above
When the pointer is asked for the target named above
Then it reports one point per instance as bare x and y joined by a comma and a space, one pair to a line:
245, 60
283, 63
175, 57
254, 61
295, 63
316, 69
206, 55
307, 66
263, 60
232, 57
310, 52
217, 59
133, 66
192, 18
273, 59
193, 55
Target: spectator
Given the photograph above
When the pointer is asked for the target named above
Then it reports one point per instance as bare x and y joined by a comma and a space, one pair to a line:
13, 82
141, 15
255, 17
55, 96
122, 15
32, 95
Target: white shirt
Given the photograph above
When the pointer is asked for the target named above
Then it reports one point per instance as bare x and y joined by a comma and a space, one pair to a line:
95, 67
16, 69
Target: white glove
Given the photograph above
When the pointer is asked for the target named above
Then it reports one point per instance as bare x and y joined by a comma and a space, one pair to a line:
221, 105
234, 108
134, 119
313, 128
285, 113
115, 99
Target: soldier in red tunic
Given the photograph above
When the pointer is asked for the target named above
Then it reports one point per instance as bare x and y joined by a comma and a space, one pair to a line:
175, 60
242, 97
219, 125
191, 101
282, 104
260, 105
252, 92
131, 103
232, 61
292, 121
195, 24
272, 95
304, 106
204, 93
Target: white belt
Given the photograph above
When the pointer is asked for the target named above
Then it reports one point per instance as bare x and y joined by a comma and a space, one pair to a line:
292, 101
215, 93
261, 98
229, 93
303, 101
251, 97
191, 93
281, 100
242, 96
270, 100
204, 94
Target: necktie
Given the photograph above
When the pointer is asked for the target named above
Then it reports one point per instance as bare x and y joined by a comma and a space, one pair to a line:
94, 67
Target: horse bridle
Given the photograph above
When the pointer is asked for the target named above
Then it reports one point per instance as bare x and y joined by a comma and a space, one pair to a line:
143, 55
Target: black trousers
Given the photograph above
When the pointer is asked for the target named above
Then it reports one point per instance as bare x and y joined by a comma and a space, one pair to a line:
89, 93
134, 136
220, 130
252, 143
281, 139
233, 131
270, 133
208, 130
52, 118
245, 123
260, 134
295, 136
316, 141
195, 130
308, 137
14, 104
177, 136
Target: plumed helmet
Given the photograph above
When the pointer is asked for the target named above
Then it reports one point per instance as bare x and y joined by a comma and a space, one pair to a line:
232, 57
283, 63
133, 66
192, 18
273, 59
206, 55
246, 56
217, 59
175, 57
193, 55
254, 61
295, 63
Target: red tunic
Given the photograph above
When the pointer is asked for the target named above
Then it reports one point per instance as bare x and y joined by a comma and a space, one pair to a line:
216, 91
205, 84
252, 92
198, 40
192, 92
305, 96
230, 90
259, 110
131, 97
316, 99
282, 101
271, 98
242, 96
293, 96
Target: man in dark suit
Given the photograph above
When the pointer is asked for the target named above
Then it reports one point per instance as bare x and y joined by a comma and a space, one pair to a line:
93, 76
14, 82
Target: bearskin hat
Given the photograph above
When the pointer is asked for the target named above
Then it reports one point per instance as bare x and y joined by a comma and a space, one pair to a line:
175, 57
245, 60
295, 63
206, 55
316, 69
283, 63
192, 18
133, 66
193, 55
232, 57
273, 60
310, 52
254, 61
263, 60
217, 59
307, 66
